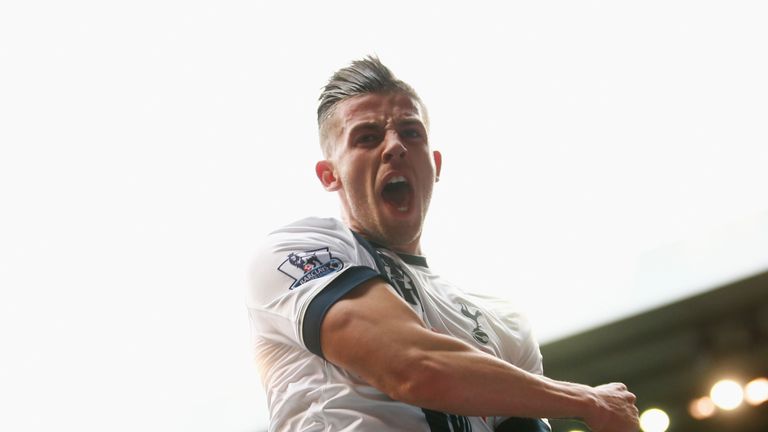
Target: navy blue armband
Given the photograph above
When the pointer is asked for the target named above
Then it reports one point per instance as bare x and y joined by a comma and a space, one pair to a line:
333, 292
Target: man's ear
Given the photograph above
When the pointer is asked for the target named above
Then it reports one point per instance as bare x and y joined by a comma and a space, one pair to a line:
438, 164
327, 175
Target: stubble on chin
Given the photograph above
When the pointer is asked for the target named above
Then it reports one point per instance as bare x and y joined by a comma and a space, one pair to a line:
372, 223
386, 233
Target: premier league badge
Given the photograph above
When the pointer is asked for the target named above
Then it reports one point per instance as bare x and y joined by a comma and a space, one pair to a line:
305, 266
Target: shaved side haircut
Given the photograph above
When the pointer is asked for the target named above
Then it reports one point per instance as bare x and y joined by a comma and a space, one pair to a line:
365, 76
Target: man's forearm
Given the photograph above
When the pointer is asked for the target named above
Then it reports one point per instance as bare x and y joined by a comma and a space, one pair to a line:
373, 334
459, 379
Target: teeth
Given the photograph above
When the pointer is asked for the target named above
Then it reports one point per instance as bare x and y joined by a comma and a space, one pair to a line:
403, 209
398, 179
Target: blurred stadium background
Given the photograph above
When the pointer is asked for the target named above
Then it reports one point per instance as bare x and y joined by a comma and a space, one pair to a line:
697, 365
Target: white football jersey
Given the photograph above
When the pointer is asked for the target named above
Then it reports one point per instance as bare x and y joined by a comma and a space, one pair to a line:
301, 271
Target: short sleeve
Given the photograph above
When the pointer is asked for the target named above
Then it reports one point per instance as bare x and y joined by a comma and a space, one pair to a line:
297, 274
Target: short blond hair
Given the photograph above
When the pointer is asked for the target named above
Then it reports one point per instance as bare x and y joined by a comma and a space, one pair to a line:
368, 75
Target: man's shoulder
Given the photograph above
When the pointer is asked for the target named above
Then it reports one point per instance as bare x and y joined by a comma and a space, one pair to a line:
309, 234
299, 252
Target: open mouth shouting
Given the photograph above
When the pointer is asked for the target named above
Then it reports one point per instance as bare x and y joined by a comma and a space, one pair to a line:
398, 194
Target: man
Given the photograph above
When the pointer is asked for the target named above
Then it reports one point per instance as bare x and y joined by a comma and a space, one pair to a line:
353, 332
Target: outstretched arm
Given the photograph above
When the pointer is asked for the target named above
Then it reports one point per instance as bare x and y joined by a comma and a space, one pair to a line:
374, 334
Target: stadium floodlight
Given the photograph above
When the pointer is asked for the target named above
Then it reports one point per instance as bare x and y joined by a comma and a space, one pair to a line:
756, 391
727, 394
701, 408
654, 420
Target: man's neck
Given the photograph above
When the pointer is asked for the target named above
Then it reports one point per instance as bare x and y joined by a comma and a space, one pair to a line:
413, 248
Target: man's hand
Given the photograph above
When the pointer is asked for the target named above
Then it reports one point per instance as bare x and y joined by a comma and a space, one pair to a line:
615, 410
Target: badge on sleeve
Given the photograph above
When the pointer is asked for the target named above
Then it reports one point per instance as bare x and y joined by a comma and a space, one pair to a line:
305, 266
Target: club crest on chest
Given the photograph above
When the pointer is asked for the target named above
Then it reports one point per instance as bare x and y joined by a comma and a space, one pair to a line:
477, 332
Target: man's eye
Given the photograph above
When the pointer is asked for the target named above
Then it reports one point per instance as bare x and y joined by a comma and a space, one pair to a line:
368, 139
411, 133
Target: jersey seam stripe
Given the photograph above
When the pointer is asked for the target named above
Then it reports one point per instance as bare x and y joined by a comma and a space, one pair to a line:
374, 255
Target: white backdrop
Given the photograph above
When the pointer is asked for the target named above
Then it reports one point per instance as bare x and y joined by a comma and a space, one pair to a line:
600, 158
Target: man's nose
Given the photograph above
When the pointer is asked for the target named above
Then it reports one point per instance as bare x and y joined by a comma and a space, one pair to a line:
394, 148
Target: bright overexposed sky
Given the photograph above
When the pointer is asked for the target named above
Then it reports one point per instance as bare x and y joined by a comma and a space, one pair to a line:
601, 158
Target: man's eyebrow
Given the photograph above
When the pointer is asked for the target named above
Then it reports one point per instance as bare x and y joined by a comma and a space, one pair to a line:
366, 125
410, 122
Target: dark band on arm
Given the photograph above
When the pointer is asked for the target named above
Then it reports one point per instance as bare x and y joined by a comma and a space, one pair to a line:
333, 292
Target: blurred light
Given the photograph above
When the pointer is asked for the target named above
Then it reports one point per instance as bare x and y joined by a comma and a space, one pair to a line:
727, 394
575, 430
756, 392
701, 408
654, 420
